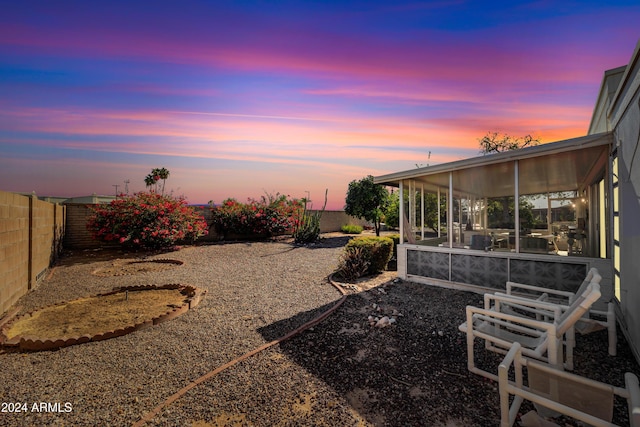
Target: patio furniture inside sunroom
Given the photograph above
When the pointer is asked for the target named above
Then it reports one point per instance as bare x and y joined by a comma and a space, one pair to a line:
536, 215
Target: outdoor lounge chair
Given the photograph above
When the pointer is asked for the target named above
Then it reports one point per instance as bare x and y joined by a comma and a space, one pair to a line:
589, 321
562, 392
543, 340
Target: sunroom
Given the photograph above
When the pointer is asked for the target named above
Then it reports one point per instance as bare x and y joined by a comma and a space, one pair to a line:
538, 215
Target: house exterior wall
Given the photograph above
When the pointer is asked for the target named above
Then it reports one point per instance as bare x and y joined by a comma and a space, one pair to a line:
490, 271
610, 84
616, 116
624, 118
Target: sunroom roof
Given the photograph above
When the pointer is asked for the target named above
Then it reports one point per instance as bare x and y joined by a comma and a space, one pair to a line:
557, 166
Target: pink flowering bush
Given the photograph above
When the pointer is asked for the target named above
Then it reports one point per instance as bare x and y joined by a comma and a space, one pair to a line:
266, 217
146, 221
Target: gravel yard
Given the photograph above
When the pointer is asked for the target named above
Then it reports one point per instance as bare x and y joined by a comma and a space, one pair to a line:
341, 372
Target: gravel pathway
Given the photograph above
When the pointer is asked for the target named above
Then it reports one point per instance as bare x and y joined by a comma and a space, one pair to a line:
115, 382
343, 372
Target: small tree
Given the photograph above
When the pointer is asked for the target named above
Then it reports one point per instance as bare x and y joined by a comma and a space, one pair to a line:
495, 142
367, 200
163, 174
156, 175
149, 181
431, 220
392, 211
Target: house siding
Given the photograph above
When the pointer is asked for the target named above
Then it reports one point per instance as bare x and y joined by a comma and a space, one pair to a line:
625, 118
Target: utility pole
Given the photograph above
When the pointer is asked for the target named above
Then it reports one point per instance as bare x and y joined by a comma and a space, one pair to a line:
116, 185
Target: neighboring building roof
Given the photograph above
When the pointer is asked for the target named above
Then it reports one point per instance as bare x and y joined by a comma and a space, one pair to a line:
92, 199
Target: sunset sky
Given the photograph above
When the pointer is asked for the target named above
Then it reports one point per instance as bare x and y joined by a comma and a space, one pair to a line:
239, 99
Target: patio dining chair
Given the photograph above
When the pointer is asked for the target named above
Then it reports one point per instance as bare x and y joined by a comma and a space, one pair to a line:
592, 319
561, 392
542, 340
481, 242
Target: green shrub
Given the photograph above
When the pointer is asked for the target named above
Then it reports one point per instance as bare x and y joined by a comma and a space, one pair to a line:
353, 264
351, 229
376, 250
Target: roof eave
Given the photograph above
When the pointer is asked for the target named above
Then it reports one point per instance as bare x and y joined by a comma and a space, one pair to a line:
604, 138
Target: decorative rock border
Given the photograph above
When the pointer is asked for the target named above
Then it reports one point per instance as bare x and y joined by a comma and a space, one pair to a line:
104, 271
193, 297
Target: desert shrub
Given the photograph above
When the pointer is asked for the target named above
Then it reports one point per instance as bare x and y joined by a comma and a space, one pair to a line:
376, 250
351, 229
353, 264
146, 221
269, 216
307, 229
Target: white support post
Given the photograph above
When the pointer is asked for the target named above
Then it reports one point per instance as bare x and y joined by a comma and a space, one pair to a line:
401, 213
422, 212
412, 206
460, 239
486, 214
549, 228
516, 206
438, 222
450, 211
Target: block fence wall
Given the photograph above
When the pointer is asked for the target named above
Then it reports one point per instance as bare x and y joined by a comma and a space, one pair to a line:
329, 222
77, 237
334, 220
31, 233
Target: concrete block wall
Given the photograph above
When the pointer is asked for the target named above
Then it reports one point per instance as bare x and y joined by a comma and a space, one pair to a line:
334, 220
47, 232
14, 248
30, 236
76, 234
329, 222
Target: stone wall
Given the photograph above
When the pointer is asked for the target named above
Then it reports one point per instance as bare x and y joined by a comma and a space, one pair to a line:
31, 233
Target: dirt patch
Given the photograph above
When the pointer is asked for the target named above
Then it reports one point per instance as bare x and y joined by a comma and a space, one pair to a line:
121, 267
98, 317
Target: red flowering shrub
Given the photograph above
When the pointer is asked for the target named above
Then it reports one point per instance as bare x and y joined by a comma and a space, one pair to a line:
146, 220
265, 217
